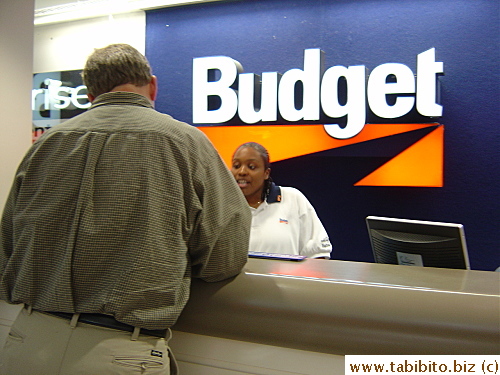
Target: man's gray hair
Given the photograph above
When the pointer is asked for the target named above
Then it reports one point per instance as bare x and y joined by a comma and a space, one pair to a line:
115, 65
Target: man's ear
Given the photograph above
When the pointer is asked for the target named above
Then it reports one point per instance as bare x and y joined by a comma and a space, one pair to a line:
153, 88
90, 97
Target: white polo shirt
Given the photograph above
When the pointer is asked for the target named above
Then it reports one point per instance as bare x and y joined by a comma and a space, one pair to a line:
288, 224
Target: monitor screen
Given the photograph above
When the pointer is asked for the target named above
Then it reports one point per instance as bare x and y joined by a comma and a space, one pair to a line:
418, 243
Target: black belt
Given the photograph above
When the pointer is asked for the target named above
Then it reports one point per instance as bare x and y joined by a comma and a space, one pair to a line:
108, 321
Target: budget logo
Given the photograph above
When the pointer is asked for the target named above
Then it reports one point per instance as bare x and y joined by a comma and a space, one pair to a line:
313, 109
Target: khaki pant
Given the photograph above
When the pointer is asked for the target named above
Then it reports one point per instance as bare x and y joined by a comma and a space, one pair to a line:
43, 344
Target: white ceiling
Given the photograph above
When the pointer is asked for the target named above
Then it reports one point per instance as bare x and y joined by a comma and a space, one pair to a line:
48, 3
53, 11
39, 4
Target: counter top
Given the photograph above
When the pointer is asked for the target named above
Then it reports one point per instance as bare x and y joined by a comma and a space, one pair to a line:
340, 307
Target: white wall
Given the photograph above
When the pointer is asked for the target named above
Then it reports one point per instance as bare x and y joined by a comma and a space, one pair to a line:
16, 64
65, 46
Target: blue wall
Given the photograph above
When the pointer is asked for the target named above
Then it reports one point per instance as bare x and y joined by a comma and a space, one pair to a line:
271, 35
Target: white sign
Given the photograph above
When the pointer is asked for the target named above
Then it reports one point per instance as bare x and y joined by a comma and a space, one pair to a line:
320, 92
56, 96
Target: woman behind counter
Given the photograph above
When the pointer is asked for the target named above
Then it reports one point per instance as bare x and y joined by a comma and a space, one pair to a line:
283, 219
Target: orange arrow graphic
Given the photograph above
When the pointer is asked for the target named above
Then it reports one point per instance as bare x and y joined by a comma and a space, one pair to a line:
288, 141
421, 164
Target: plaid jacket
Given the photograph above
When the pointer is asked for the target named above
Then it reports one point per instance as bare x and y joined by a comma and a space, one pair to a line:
113, 212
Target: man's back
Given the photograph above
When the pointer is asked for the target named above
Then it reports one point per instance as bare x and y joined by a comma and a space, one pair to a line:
114, 209
109, 217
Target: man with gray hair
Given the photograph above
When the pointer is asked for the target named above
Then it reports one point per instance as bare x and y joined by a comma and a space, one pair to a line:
110, 216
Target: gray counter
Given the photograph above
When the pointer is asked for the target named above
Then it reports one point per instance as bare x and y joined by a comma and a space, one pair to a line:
342, 308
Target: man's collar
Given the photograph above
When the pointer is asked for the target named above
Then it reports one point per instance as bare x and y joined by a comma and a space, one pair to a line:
122, 98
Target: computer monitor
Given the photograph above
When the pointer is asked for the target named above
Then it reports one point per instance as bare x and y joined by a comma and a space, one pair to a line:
418, 243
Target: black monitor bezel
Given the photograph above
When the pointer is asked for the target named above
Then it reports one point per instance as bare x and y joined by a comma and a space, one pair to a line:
433, 228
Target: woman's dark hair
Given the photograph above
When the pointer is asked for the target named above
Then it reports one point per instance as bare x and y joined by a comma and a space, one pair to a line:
267, 164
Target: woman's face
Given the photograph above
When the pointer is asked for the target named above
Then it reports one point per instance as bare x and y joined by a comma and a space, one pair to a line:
250, 172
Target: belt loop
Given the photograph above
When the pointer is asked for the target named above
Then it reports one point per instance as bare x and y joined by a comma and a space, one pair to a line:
168, 335
74, 320
135, 334
29, 308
